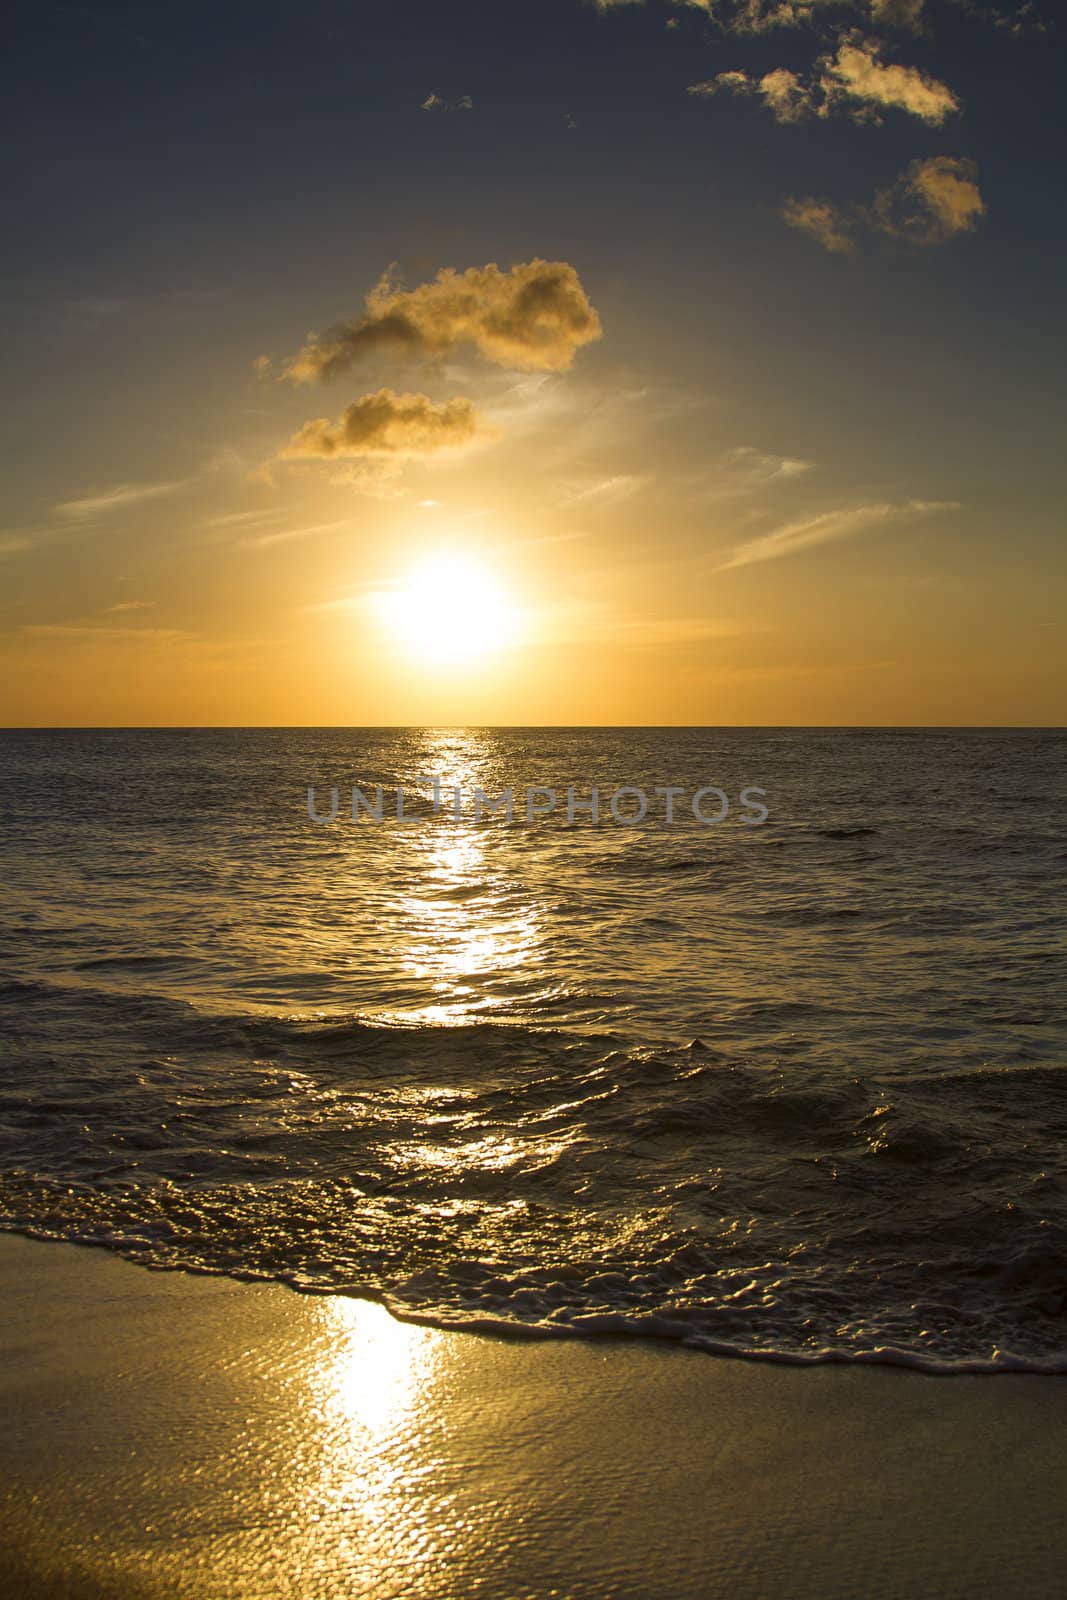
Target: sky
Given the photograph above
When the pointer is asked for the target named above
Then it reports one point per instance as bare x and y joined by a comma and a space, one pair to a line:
533, 362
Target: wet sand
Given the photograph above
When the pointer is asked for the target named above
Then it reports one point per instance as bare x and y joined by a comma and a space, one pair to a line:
173, 1435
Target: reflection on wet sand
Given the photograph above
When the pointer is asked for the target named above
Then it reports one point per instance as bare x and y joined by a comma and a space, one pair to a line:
374, 1403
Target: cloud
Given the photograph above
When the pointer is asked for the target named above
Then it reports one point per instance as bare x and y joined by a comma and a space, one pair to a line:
745, 472
387, 424
823, 221
12, 544
782, 92
1015, 18
434, 102
857, 73
854, 81
707, 6
762, 16
132, 605
828, 526
533, 317
120, 498
755, 17
934, 200
904, 14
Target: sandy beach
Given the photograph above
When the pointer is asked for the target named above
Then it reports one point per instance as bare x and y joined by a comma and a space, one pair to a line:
179, 1435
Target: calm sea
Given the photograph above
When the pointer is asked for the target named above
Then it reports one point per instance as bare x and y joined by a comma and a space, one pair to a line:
795, 1089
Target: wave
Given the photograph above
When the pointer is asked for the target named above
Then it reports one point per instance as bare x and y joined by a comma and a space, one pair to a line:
551, 1181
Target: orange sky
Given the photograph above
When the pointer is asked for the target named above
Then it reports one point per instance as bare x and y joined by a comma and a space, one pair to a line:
725, 402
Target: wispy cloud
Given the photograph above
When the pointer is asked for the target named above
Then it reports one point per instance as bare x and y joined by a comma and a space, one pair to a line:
12, 544
249, 519
609, 490
56, 630
646, 633
132, 605
745, 472
119, 498
286, 535
831, 526
763, 466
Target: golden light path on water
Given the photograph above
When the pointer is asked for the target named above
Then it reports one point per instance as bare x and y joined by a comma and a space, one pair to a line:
460, 926
381, 1386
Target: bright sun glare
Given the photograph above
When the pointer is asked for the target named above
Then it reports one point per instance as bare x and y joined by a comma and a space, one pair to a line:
450, 609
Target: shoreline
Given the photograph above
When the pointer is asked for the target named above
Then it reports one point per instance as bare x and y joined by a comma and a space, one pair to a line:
186, 1434
601, 1328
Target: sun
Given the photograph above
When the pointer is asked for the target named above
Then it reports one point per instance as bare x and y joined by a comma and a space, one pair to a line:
450, 609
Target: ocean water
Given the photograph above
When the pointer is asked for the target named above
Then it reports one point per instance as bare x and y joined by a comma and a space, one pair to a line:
795, 1089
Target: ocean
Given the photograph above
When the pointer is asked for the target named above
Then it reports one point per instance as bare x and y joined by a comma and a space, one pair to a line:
793, 1088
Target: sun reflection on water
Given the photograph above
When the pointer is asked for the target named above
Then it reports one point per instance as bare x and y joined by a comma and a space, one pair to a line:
463, 928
